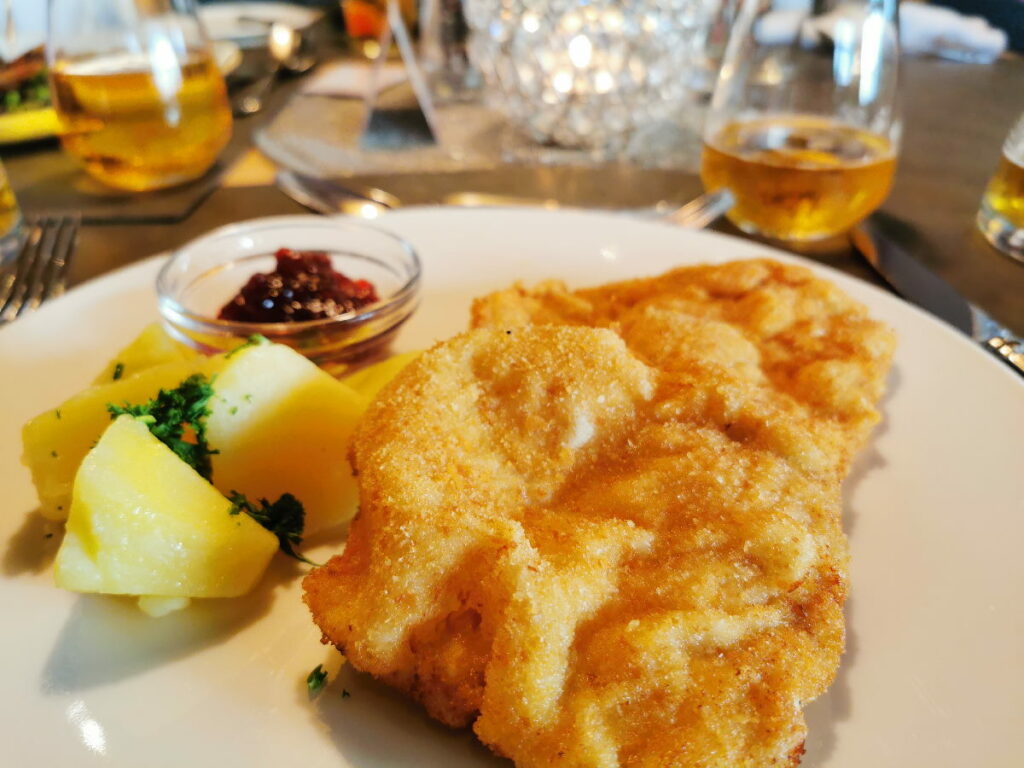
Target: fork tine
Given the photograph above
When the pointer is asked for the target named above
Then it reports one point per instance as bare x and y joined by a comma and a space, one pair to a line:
15, 284
64, 250
30, 293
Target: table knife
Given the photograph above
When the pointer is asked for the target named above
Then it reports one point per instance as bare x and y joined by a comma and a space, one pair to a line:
885, 244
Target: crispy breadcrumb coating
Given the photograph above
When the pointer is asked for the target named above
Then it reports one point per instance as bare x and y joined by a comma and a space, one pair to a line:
604, 528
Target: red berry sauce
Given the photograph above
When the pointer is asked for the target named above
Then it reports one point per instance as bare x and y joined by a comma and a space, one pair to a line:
304, 286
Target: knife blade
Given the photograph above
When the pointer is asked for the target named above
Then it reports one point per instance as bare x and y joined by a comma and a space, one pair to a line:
887, 245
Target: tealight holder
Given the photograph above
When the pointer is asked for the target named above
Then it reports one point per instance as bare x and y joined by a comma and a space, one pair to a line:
587, 75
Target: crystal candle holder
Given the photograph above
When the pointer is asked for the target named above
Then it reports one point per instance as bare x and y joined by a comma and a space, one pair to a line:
587, 75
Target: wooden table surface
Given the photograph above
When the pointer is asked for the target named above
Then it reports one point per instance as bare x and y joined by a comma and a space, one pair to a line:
955, 119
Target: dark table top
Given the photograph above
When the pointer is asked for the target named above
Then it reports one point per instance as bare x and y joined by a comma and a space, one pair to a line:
955, 119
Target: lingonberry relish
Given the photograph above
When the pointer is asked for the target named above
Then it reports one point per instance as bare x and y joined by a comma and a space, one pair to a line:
304, 286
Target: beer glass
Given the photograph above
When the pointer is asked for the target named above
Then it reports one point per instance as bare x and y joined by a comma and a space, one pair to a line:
1001, 216
10, 220
804, 131
141, 101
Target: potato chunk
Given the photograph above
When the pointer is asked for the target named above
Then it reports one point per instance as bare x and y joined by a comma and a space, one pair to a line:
55, 442
282, 425
151, 347
143, 522
372, 379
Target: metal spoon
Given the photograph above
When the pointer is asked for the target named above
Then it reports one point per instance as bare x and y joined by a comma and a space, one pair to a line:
301, 59
330, 198
282, 43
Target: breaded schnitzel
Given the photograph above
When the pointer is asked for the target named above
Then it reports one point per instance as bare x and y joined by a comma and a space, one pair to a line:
615, 545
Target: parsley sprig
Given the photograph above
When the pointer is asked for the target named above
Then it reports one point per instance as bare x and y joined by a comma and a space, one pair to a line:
285, 518
255, 340
316, 679
174, 411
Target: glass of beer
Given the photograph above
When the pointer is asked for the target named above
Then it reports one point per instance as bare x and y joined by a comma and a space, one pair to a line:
10, 220
1001, 216
803, 126
141, 100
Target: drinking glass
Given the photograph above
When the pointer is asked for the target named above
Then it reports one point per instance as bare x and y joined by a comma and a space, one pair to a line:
141, 100
804, 131
1001, 216
10, 220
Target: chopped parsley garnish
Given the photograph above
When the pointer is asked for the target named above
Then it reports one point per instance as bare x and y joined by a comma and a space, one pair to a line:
171, 412
317, 679
57, 413
285, 518
118, 371
345, 694
253, 341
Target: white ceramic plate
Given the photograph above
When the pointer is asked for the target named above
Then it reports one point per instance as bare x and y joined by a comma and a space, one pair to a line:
934, 674
248, 23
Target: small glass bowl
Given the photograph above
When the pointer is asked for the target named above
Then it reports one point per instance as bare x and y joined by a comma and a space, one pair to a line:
205, 274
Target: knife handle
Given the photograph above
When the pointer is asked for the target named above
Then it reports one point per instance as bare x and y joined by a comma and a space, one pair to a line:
1009, 349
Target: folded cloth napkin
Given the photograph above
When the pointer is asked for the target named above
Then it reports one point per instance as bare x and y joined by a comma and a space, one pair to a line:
948, 34
924, 29
25, 28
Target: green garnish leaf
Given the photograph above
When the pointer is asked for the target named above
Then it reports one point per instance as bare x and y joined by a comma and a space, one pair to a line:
171, 412
345, 694
317, 679
118, 371
253, 341
285, 518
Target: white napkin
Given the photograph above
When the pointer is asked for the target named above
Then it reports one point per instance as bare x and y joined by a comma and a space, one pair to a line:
948, 34
351, 79
27, 30
924, 30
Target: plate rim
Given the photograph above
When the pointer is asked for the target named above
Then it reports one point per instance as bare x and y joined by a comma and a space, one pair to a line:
830, 272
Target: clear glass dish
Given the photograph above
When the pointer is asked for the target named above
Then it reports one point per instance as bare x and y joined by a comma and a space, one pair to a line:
204, 275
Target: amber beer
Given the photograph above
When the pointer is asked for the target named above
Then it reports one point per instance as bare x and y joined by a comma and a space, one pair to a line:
798, 177
1005, 193
135, 125
10, 214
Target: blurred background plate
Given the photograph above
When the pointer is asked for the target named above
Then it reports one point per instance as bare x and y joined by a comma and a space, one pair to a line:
247, 23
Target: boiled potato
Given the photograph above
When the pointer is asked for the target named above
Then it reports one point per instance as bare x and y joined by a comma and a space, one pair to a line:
151, 347
372, 379
143, 522
282, 425
55, 442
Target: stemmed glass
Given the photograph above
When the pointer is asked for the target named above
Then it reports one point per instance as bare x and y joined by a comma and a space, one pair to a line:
804, 131
141, 100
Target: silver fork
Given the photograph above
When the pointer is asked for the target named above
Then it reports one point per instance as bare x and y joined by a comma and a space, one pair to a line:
40, 268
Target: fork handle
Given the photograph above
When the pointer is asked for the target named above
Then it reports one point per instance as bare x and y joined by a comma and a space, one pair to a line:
703, 210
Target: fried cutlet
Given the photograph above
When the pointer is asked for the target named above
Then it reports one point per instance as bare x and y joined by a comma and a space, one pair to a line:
604, 528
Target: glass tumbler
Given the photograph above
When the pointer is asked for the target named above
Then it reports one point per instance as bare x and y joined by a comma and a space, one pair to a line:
803, 126
141, 100
1001, 216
